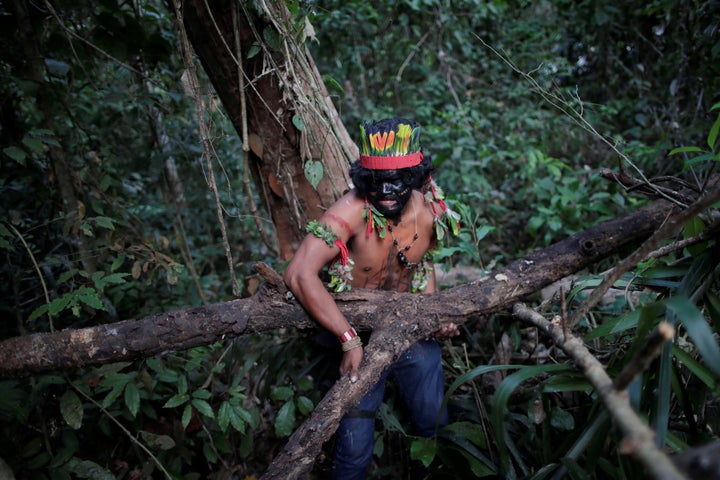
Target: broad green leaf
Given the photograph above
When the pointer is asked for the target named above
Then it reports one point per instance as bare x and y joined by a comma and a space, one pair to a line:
105, 222
209, 453
59, 304
561, 419
253, 50
304, 384
113, 395
285, 420
298, 122
186, 415
305, 405
236, 418
203, 407
272, 38
67, 275
281, 393
469, 430
176, 400
483, 231
88, 469
202, 394
162, 442
38, 312
314, 172
229, 415
390, 420
423, 449
17, 154
114, 278
699, 159
71, 409
91, 298
330, 82
47, 136
115, 378
132, 398
250, 416
182, 384
33, 144
223, 416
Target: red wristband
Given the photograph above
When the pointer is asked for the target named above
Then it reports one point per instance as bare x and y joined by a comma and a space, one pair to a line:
347, 336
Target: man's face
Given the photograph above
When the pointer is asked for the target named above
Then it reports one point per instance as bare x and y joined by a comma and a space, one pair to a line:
388, 193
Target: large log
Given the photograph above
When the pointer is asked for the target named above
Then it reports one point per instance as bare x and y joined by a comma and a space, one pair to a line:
272, 307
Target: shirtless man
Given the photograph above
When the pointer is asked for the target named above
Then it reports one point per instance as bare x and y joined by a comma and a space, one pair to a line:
378, 236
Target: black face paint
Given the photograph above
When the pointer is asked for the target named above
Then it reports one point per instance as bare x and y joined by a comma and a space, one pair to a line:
389, 193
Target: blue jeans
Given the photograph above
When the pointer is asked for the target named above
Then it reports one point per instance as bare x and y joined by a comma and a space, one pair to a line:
418, 376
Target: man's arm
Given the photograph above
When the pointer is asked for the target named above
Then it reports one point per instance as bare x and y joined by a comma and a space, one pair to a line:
302, 278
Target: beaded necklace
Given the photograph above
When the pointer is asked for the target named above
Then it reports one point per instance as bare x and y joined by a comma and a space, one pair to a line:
402, 258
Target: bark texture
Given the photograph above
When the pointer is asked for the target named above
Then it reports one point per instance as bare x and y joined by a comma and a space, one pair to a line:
281, 89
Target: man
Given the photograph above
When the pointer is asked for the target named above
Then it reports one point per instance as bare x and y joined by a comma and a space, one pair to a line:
378, 236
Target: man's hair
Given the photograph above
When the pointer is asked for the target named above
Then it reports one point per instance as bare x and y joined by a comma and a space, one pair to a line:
416, 177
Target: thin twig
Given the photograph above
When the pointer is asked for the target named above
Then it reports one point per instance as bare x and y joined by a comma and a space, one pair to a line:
121, 426
706, 234
576, 116
37, 269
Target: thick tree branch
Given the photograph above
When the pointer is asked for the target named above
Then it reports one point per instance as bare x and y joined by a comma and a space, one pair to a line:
667, 229
273, 308
386, 345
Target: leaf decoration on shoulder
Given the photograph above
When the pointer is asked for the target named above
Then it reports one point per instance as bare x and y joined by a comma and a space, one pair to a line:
340, 270
446, 220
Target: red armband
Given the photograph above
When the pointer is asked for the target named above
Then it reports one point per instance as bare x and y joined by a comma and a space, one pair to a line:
347, 336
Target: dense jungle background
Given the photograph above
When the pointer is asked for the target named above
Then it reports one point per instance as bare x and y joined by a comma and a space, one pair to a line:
108, 214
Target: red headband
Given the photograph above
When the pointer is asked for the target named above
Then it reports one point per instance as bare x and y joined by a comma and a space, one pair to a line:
391, 163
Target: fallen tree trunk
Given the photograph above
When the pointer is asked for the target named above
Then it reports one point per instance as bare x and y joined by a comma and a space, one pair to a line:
272, 307
399, 325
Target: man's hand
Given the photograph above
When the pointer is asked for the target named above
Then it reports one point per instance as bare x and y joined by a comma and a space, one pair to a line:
351, 362
446, 331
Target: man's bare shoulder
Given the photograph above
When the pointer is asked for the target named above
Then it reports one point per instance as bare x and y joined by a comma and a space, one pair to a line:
346, 213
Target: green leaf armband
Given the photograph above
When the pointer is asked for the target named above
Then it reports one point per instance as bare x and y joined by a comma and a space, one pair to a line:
341, 269
321, 231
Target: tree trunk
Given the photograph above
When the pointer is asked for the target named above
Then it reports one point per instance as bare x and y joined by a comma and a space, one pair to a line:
291, 122
272, 307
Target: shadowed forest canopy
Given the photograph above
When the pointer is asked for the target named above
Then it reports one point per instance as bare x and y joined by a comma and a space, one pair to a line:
153, 152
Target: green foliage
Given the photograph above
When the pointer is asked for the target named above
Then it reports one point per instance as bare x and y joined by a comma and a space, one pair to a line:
93, 231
